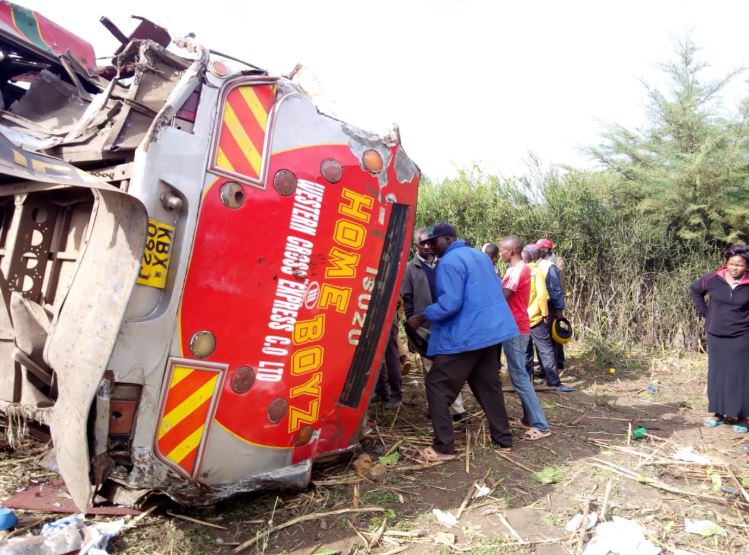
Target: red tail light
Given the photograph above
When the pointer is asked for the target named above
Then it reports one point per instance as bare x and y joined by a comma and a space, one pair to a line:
189, 109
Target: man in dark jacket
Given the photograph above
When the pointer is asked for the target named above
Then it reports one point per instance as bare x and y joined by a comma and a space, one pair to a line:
469, 318
555, 287
418, 290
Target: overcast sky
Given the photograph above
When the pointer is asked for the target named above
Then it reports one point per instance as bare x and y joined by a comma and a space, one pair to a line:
467, 81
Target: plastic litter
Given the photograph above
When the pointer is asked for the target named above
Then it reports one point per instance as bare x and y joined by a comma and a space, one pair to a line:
65, 535
653, 389
730, 490
445, 518
703, 527
687, 454
640, 432
482, 491
620, 536
574, 524
8, 519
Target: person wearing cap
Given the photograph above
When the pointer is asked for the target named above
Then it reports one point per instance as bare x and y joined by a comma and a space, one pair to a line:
555, 286
516, 287
538, 314
418, 292
469, 318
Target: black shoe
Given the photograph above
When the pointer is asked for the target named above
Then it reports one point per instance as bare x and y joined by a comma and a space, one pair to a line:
460, 417
393, 403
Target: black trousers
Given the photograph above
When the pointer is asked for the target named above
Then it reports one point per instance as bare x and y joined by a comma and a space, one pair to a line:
541, 340
389, 382
559, 352
445, 380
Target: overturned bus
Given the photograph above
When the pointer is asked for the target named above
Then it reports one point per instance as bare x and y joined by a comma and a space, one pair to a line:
197, 265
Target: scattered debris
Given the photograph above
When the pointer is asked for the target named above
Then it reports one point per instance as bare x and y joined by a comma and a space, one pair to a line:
703, 527
576, 521
512, 530
196, 521
303, 518
687, 454
621, 535
366, 468
445, 538
8, 519
513, 461
481, 491
362, 464
445, 518
64, 536
53, 497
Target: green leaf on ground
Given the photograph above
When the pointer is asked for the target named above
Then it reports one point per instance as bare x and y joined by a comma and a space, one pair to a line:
548, 475
391, 459
745, 482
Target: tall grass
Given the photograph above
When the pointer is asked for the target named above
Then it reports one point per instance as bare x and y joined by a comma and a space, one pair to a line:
627, 277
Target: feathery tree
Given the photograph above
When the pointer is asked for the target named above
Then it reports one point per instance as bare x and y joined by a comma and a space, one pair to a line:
688, 170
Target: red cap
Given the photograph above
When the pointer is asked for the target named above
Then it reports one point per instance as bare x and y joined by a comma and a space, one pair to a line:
545, 244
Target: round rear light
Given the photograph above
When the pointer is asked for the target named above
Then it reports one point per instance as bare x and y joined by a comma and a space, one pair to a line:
242, 380
331, 170
218, 68
372, 161
202, 344
284, 182
277, 410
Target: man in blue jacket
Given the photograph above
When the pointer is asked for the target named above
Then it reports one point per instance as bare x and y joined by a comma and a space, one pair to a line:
469, 319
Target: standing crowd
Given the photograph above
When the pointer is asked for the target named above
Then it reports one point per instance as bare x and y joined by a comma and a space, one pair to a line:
462, 314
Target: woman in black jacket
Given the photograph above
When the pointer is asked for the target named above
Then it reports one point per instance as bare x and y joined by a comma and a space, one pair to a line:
727, 326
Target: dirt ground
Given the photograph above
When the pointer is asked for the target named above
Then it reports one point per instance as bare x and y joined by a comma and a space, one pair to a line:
596, 467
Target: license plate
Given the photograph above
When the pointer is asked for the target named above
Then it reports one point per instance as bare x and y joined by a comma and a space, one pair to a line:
155, 262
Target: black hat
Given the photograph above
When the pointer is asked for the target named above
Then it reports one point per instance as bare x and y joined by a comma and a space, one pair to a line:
440, 230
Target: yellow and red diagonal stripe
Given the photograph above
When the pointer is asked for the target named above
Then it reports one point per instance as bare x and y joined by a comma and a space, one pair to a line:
183, 420
242, 135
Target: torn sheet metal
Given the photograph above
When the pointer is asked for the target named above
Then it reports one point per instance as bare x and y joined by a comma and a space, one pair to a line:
53, 497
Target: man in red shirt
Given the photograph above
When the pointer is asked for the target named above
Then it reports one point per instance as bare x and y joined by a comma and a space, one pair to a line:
517, 287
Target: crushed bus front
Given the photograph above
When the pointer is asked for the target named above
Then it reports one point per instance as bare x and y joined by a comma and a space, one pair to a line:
197, 265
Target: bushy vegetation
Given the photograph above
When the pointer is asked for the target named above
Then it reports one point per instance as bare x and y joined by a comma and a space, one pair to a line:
634, 234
